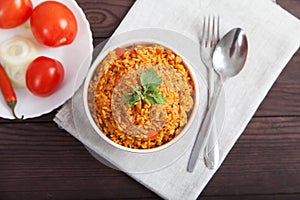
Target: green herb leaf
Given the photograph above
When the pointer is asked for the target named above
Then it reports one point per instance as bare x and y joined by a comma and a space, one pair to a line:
126, 98
154, 99
150, 99
137, 90
131, 99
150, 79
149, 90
160, 99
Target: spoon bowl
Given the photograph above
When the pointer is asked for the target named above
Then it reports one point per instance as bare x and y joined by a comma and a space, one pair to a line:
230, 54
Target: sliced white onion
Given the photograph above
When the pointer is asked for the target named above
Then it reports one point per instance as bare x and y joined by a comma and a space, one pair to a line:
15, 56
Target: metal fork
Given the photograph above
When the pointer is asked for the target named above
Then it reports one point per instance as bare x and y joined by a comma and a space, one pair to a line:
208, 41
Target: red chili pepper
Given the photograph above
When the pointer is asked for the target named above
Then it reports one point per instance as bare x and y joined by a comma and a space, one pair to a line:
8, 91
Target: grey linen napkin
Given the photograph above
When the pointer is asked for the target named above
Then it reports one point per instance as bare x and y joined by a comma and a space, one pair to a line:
273, 39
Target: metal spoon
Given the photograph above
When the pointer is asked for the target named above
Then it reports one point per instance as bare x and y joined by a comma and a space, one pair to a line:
222, 57
228, 60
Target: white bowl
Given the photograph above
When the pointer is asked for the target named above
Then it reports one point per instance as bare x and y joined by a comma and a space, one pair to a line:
92, 121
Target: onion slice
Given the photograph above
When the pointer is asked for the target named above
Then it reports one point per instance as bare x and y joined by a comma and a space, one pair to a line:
15, 56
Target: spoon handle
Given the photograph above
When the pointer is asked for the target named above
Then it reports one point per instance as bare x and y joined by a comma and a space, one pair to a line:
205, 130
211, 151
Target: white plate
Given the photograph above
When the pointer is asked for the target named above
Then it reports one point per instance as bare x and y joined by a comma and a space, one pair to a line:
72, 57
131, 162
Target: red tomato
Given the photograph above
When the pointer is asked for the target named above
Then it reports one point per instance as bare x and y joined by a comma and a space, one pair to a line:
152, 134
53, 24
14, 12
44, 76
119, 51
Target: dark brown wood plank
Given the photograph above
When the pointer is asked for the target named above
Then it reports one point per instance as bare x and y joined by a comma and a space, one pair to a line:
104, 15
252, 197
284, 97
292, 6
39, 160
264, 161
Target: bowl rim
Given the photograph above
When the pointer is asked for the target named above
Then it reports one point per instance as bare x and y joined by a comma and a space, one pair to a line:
94, 66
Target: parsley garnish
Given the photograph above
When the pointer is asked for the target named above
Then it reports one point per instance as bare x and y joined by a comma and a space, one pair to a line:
149, 90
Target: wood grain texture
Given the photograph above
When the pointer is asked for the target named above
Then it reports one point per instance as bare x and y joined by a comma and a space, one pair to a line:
104, 15
40, 161
265, 160
284, 97
292, 6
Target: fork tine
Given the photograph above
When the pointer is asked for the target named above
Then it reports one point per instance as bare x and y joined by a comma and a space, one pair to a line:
218, 28
202, 37
208, 32
215, 30
213, 36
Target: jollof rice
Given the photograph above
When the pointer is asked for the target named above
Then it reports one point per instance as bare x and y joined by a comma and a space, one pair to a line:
141, 126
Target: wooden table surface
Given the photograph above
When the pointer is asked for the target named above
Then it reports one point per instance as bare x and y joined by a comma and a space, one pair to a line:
40, 161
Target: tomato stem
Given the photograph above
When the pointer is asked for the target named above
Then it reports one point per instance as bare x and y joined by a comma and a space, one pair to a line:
12, 105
